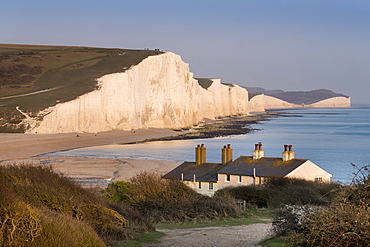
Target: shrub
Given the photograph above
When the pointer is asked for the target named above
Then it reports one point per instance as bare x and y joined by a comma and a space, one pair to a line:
277, 192
291, 219
18, 221
338, 225
64, 230
25, 188
296, 195
255, 196
118, 191
346, 222
160, 200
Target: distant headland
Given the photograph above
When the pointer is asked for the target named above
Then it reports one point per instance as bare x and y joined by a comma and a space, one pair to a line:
59, 89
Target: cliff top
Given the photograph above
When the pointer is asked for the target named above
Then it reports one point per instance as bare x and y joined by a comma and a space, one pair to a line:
36, 77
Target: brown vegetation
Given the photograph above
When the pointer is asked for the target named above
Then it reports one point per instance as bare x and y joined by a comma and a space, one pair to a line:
346, 222
161, 200
41, 208
278, 192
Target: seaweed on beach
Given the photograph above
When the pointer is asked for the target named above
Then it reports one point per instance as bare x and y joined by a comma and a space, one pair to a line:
234, 125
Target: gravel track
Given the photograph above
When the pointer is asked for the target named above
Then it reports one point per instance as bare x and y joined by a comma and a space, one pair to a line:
235, 236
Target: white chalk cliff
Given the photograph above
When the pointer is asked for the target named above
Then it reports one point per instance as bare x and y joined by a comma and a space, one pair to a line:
332, 102
159, 92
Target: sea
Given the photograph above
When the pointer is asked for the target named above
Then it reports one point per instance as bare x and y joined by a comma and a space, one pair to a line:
336, 139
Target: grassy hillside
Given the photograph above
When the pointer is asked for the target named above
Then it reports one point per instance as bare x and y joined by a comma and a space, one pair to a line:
36, 77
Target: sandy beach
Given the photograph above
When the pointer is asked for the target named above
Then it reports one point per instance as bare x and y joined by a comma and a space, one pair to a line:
26, 148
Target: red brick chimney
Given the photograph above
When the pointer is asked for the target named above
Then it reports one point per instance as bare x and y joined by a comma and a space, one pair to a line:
258, 152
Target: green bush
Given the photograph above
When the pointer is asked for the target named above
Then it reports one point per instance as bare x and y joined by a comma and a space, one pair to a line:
118, 191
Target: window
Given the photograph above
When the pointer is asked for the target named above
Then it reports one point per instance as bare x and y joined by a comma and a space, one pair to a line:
240, 179
210, 186
227, 177
318, 180
200, 185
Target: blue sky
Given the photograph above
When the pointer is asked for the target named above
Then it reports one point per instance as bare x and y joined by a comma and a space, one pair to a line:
285, 44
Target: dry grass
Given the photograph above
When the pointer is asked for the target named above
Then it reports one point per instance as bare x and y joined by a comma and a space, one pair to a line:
165, 200
345, 222
39, 207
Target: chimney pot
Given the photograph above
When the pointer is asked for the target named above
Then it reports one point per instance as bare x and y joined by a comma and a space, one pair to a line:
228, 145
203, 154
255, 146
288, 153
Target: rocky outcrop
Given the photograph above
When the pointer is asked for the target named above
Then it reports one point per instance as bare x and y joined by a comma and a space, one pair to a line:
160, 92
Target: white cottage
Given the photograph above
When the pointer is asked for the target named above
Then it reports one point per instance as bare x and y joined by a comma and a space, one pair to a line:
206, 178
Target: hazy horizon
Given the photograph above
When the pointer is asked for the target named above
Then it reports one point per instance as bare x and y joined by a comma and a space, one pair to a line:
289, 45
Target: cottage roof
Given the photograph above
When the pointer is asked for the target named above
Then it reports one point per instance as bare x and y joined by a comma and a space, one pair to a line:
264, 167
206, 172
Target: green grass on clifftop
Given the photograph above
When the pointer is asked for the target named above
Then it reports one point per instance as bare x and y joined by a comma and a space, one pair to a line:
36, 77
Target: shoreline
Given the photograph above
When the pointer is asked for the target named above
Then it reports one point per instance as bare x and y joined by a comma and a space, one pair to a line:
227, 126
27, 148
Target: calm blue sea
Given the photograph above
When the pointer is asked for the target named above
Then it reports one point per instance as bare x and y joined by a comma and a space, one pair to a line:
331, 138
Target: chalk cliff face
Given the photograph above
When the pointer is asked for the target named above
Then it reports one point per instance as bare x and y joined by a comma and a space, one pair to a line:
264, 102
224, 100
333, 102
160, 92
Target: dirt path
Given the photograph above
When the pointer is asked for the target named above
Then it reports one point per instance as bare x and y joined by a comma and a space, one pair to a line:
243, 236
